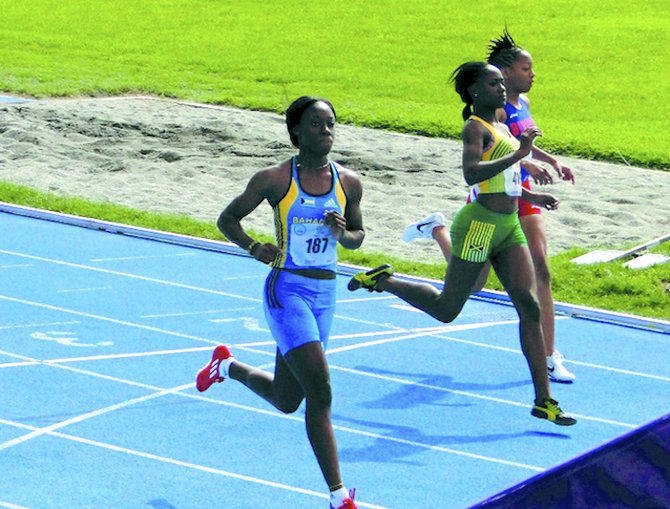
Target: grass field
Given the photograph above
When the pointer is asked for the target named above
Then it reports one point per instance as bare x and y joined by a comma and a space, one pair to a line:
600, 91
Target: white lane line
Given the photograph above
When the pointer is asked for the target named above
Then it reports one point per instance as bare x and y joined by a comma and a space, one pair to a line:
184, 464
362, 299
474, 395
438, 331
18, 364
406, 307
368, 344
143, 257
367, 334
424, 332
36, 325
619, 370
83, 290
571, 361
202, 312
65, 360
89, 415
131, 276
375, 323
12, 506
417, 333
128, 355
108, 319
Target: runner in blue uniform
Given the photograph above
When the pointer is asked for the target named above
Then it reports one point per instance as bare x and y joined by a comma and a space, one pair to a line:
316, 204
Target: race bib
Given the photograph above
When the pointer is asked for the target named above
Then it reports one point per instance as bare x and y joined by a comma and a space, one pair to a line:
312, 245
513, 180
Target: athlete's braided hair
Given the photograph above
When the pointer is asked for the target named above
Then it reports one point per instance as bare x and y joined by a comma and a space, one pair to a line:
503, 51
296, 109
463, 77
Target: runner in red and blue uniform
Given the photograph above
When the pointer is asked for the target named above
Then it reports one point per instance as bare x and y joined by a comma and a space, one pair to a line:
516, 65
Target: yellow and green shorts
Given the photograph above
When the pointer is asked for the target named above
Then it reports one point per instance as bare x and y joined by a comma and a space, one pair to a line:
478, 234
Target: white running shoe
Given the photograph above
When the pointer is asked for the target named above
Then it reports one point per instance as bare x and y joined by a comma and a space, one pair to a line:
423, 229
556, 369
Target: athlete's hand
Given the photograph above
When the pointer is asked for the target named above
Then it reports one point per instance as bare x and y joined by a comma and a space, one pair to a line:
547, 201
336, 222
526, 140
564, 173
266, 253
539, 173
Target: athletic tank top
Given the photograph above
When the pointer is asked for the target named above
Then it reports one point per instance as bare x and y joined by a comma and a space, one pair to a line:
518, 120
302, 235
507, 181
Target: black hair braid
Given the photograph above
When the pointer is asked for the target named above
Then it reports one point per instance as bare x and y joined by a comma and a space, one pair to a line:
503, 51
463, 77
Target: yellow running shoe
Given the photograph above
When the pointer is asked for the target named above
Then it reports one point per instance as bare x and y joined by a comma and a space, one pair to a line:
551, 411
369, 279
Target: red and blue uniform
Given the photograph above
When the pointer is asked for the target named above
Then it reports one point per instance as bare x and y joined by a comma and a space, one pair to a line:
518, 120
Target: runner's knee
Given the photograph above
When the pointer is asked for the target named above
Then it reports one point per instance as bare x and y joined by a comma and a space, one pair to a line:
542, 273
288, 405
527, 306
445, 312
318, 391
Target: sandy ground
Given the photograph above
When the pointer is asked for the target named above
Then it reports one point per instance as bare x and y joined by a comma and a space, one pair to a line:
162, 155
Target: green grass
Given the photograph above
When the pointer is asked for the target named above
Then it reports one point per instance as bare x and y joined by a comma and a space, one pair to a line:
605, 286
600, 91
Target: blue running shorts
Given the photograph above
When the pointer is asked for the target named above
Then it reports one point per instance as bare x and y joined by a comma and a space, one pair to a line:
298, 309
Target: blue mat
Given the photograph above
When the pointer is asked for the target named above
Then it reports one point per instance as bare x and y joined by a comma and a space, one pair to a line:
627, 473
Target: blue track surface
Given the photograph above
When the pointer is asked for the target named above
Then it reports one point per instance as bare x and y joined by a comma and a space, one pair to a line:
101, 336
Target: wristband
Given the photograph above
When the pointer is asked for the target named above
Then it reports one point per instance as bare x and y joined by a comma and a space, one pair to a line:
252, 245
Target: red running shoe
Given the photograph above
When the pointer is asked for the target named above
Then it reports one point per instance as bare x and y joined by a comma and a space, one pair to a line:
348, 502
210, 374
